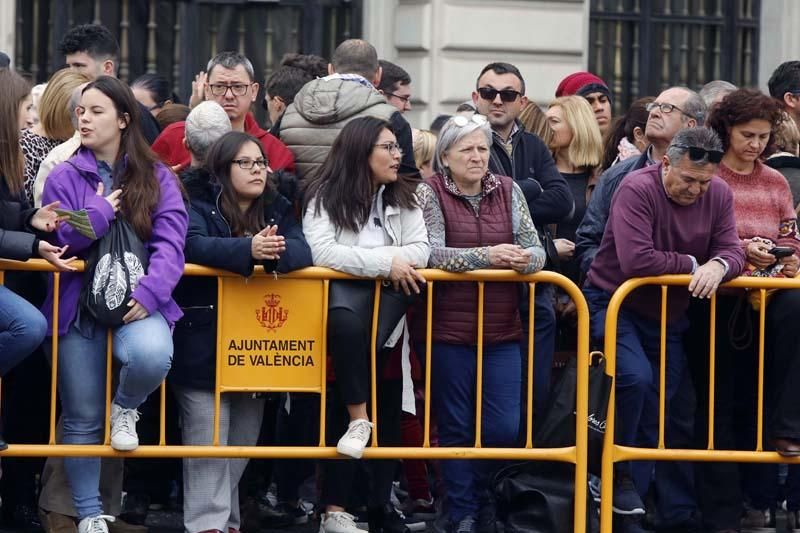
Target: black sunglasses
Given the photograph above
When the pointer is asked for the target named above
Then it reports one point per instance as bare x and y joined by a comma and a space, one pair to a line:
506, 95
697, 154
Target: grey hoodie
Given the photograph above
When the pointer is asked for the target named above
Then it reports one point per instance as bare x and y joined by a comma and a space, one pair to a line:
319, 112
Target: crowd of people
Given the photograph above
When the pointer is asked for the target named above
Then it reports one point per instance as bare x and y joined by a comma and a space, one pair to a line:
705, 184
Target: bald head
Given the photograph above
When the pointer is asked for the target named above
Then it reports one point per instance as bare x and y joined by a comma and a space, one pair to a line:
356, 56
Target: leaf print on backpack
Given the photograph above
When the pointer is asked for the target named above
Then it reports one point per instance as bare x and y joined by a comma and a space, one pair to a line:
101, 275
115, 265
117, 285
135, 269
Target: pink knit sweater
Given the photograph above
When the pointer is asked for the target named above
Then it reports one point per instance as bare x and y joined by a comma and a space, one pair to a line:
762, 205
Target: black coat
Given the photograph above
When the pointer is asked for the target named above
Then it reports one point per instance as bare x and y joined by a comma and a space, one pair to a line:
546, 191
209, 243
17, 240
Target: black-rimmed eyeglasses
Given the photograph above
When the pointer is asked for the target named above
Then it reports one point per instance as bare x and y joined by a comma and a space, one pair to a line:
665, 108
247, 164
220, 89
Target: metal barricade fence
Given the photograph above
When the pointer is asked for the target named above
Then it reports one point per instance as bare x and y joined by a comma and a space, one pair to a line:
273, 315
614, 453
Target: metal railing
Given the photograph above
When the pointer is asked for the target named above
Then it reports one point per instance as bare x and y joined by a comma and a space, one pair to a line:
576, 454
614, 453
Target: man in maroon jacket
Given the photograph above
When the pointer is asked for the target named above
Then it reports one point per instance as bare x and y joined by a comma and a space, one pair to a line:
672, 218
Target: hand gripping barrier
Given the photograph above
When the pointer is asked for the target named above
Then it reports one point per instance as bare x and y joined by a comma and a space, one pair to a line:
614, 453
274, 301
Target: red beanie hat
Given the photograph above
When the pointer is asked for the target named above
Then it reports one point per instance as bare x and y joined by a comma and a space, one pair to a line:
581, 84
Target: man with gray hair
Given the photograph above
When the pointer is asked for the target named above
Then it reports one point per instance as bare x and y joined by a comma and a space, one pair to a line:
230, 81
714, 91
325, 105
206, 123
673, 110
674, 217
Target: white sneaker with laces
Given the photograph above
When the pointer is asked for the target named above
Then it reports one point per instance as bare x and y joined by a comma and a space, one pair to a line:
123, 428
336, 522
353, 442
95, 524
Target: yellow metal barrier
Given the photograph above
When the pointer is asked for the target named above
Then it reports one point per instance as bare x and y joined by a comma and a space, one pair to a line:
614, 453
576, 454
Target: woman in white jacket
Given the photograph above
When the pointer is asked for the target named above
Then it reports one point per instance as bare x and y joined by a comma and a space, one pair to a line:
362, 218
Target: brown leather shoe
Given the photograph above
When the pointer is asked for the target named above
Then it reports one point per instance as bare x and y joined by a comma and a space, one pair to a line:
121, 526
787, 447
57, 523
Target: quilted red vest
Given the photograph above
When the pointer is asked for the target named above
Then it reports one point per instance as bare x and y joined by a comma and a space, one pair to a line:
455, 315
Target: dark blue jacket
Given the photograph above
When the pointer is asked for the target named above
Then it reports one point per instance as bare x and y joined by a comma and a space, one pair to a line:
545, 189
590, 232
209, 243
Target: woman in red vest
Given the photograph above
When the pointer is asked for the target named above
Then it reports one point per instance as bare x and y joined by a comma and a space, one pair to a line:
475, 220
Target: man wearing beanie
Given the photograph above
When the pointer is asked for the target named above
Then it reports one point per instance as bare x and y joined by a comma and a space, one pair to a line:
594, 90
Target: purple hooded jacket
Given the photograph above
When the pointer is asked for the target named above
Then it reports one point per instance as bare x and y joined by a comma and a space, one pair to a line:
170, 222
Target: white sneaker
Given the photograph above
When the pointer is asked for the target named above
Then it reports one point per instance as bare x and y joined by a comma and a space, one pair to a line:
123, 428
336, 522
353, 442
95, 524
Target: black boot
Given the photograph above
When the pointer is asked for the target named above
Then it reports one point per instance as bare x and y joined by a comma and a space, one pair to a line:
386, 519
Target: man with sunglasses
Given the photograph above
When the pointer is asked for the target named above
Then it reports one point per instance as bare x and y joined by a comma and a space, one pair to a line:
230, 81
500, 96
674, 217
395, 85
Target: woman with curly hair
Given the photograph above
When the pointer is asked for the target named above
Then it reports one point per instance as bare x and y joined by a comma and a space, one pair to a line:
746, 121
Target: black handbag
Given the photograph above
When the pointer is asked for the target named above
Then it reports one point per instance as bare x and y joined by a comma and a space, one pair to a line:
115, 264
358, 296
537, 497
557, 426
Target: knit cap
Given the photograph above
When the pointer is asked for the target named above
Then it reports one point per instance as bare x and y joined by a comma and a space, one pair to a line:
582, 83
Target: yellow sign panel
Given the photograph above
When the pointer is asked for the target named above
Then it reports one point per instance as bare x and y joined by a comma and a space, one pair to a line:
271, 334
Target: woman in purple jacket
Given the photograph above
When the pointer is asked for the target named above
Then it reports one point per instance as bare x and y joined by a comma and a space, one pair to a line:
113, 174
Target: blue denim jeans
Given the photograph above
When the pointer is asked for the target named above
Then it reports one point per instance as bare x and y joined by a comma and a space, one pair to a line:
637, 402
453, 380
22, 329
143, 350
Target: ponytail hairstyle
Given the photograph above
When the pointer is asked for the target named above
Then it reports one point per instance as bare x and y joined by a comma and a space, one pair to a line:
12, 165
635, 117
218, 162
135, 165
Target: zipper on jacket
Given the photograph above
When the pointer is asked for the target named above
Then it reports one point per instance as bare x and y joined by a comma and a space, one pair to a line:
230, 233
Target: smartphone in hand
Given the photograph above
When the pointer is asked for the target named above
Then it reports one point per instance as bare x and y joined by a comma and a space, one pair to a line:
781, 251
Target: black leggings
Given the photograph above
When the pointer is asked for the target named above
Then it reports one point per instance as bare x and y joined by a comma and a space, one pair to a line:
348, 345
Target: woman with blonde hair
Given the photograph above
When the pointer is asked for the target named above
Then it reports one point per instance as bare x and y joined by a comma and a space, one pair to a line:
424, 143
54, 126
577, 147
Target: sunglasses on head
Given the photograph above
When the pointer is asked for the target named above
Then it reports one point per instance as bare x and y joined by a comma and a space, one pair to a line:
461, 120
697, 154
506, 95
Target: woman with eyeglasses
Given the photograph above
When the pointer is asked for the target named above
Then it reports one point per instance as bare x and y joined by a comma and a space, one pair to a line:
362, 217
113, 175
236, 221
475, 220
746, 121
